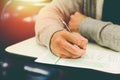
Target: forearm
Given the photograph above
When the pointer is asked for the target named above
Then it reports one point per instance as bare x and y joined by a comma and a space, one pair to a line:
48, 19
46, 24
104, 33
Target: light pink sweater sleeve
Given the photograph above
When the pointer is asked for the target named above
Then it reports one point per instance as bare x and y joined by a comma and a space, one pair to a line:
48, 22
103, 33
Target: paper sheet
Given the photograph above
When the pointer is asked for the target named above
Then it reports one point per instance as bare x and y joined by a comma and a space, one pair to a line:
97, 58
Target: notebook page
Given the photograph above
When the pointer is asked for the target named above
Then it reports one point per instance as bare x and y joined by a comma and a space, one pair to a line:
97, 58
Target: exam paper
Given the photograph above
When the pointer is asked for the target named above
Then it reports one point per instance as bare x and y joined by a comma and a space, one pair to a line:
96, 57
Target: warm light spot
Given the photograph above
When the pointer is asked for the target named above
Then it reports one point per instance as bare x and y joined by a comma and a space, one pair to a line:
28, 19
20, 8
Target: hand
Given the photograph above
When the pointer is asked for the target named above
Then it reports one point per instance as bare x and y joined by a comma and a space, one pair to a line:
63, 44
75, 21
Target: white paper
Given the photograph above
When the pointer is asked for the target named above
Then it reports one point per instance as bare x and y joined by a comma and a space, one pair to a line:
96, 57
30, 48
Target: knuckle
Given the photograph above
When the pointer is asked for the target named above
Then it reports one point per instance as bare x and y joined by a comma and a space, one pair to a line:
77, 13
72, 16
59, 42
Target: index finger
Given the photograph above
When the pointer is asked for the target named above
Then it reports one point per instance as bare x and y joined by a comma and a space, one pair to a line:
76, 39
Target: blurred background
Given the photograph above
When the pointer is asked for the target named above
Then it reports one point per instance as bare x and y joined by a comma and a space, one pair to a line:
17, 20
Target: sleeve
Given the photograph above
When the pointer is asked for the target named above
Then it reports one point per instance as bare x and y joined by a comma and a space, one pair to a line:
105, 34
48, 22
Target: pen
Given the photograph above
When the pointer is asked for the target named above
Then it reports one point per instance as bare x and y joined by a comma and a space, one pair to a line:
67, 28
65, 24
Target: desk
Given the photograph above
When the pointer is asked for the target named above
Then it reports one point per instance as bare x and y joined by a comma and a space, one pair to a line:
72, 72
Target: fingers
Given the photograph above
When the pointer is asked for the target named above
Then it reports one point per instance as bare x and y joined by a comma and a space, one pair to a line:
75, 21
72, 49
76, 39
68, 52
82, 41
64, 45
65, 54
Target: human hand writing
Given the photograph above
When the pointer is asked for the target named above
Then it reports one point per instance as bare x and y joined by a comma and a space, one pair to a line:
75, 21
62, 44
